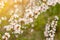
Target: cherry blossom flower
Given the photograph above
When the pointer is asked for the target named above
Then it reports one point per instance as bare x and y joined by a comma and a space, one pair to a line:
6, 36
51, 29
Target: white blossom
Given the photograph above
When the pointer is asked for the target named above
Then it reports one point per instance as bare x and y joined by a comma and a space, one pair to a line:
59, 1
6, 36
44, 7
50, 29
8, 27
4, 18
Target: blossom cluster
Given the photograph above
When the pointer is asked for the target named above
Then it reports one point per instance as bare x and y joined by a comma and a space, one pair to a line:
50, 29
21, 15
6, 36
31, 10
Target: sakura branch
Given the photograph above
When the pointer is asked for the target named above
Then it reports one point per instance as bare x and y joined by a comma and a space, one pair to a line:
50, 29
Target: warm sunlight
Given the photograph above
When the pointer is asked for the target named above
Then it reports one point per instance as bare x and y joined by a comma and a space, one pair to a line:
29, 19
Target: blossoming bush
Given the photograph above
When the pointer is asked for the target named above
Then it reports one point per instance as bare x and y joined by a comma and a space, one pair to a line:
26, 19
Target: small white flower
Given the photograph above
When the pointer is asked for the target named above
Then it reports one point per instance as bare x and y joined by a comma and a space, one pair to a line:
51, 35
17, 31
6, 36
55, 24
54, 29
59, 1
47, 38
3, 37
30, 20
32, 25
17, 27
28, 15
47, 27
8, 27
52, 23
16, 21
55, 2
36, 9
46, 33
56, 17
21, 31
24, 27
11, 19
15, 15
12, 23
22, 20
35, 16
52, 2
51, 38
2, 18
44, 7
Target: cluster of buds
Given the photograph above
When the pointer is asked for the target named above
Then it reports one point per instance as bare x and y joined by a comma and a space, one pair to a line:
50, 29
